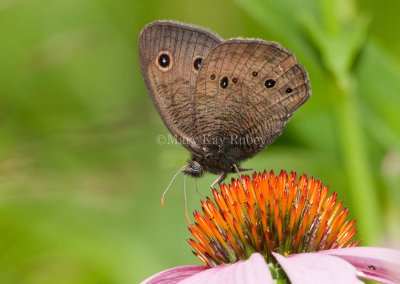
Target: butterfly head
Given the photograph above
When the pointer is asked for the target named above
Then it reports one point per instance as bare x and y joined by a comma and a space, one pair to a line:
194, 169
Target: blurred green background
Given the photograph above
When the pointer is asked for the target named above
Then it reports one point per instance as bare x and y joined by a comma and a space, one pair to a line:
81, 174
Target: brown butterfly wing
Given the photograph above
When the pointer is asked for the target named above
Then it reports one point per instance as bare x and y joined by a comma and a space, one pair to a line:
246, 92
168, 52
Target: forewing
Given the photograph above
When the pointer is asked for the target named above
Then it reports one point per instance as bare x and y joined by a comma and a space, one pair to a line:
170, 55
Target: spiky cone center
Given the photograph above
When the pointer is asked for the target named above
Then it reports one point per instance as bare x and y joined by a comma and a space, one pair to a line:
269, 213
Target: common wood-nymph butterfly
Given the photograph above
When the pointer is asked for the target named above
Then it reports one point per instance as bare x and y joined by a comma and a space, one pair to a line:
224, 100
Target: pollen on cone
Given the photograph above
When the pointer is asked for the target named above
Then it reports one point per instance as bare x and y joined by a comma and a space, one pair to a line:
269, 213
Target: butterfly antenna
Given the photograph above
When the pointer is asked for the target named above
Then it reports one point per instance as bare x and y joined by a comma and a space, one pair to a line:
169, 185
185, 198
240, 177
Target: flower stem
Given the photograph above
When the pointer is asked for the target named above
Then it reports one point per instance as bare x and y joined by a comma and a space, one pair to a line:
362, 192
278, 274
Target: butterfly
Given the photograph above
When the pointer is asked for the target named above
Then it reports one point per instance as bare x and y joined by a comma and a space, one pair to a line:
223, 100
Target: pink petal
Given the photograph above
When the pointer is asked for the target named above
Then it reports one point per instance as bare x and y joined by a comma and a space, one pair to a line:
378, 264
317, 268
174, 275
251, 271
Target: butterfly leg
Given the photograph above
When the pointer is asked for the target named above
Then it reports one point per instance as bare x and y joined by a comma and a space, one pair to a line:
219, 179
197, 190
238, 170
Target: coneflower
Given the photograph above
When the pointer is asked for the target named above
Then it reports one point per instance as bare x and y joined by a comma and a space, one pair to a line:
279, 229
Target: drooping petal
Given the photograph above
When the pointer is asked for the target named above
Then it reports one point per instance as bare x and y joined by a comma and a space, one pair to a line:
251, 271
378, 264
317, 268
174, 275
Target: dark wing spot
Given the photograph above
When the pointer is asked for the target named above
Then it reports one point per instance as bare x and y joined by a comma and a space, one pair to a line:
288, 90
197, 63
164, 60
224, 82
234, 80
254, 73
269, 83
212, 76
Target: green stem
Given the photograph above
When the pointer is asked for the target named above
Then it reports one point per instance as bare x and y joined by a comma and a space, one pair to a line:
278, 274
329, 14
362, 192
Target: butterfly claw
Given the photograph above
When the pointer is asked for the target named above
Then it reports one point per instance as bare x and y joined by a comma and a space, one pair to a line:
240, 169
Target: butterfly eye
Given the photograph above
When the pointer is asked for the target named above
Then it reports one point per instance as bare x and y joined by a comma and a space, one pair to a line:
197, 63
164, 61
269, 83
